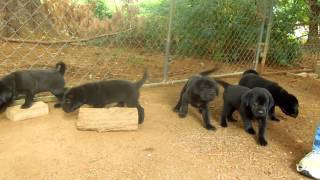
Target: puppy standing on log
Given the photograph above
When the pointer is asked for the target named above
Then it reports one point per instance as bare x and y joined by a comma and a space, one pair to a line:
31, 82
287, 102
199, 91
251, 104
99, 94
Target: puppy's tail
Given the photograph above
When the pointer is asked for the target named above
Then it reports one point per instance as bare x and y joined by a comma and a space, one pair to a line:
61, 67
250, 71
223, 83
206, 73
143, 80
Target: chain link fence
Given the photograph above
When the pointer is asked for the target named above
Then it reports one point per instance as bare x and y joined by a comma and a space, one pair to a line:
214, 33
297, 54
294, 36
116, 39
37, 34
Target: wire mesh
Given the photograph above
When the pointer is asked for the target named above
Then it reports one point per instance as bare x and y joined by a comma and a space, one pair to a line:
294, 43
104, 39
220, 33
37, 34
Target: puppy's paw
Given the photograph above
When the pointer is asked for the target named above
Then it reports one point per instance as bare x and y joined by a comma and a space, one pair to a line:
182, 115
250, 131
25, 106
175, 109
57, 105
140, 121
231, 119
263, 142
223, 124
274, 119
210, 127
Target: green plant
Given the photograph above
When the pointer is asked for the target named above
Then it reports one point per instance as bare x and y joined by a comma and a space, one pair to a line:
207, 28
100, 9
224, 30
285, 48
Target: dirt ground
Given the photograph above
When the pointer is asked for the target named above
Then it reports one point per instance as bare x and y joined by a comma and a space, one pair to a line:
164, 147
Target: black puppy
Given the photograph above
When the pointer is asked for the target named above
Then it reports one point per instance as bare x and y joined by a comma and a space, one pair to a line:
102, 93
199, 91
251, 104
287, 102
31, 82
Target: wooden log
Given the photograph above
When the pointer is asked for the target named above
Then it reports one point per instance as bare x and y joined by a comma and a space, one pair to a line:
317, 69
107, 119
15, 113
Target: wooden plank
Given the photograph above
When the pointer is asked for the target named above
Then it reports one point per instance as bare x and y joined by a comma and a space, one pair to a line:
317, 68
107, 119
15, 113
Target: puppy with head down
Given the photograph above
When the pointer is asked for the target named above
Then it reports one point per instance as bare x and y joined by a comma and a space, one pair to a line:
31, 82
287, 102
101, 93
199, 91
251, 103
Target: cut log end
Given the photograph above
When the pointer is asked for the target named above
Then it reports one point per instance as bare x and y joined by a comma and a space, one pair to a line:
15, 113
107, 119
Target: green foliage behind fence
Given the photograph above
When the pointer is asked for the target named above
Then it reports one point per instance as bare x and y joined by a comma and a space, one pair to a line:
101, 10
285, 48
221, 30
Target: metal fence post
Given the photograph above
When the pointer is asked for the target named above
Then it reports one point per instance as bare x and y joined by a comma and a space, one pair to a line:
260, 39
168, 43
267, 40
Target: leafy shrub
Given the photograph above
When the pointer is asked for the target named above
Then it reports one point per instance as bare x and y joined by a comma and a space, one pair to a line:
212, 28
285, 48
100, 10
224, 30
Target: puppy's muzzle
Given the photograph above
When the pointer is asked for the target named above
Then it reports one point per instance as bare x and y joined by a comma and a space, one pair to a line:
208, 96
68, 108
260, 113
294, 115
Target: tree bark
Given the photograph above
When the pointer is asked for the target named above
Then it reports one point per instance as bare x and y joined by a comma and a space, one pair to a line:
313, 36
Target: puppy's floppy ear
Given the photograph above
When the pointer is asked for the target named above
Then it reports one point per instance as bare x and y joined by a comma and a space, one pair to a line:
216, 87
246, 98
271, 100
217, 91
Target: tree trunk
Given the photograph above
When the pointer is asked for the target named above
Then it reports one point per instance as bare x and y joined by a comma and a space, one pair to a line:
313, 36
